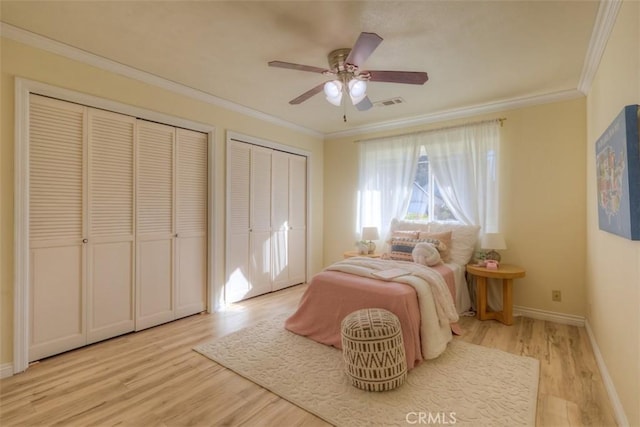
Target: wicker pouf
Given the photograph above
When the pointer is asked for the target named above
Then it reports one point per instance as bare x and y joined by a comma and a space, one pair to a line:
373, 349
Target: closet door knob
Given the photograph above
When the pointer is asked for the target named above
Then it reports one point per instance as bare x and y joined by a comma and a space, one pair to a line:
85, 240
176, 235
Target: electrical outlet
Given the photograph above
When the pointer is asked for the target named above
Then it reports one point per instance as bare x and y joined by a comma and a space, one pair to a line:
556, 296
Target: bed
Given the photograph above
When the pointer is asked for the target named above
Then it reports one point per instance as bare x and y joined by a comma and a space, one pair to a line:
426, 299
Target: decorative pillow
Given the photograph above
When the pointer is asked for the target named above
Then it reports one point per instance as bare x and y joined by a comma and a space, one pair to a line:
463, 239
401, 248
397, 234
444, 237
426, 254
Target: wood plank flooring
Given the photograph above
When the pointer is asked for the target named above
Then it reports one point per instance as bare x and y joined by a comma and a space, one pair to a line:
153, 378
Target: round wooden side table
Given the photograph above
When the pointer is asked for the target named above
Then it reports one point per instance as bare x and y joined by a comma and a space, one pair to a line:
506, 272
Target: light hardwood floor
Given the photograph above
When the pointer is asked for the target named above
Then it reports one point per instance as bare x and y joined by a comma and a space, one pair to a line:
154, 378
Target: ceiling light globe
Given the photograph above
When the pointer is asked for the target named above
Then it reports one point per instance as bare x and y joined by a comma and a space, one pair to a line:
336, 100
358, 100
333, 89
357, 88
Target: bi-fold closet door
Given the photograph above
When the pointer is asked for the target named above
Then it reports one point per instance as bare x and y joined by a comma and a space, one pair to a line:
248, 260
288, 221
266, 223
57, 227
89, 225
171, 223
110, 236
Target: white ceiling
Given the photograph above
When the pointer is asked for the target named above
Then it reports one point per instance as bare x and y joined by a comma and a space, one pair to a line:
477, 53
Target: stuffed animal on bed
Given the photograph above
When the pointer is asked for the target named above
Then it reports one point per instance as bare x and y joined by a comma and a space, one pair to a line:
426, 254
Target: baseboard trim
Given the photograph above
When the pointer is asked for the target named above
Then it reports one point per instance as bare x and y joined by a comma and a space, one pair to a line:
6, 370
552, 316
618, 410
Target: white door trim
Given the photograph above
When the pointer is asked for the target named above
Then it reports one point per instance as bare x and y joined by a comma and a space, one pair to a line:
23, 87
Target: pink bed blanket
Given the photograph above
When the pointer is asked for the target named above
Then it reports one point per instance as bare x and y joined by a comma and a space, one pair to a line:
332, 295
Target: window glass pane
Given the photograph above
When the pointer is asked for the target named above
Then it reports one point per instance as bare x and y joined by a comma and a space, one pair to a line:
424, 206
440, 210
419, 204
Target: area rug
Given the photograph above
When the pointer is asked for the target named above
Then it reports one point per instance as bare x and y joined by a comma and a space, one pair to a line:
466, 385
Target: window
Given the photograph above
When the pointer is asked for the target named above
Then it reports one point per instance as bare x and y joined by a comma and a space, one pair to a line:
426, 202
443, 174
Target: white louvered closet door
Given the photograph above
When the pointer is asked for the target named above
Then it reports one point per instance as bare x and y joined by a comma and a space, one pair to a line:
191, 221
56, 227
260, 222
297, 219
110, 278
280, 219
155, 227
237, 281
289, 219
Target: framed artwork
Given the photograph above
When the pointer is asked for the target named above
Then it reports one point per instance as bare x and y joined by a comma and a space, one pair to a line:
618, 175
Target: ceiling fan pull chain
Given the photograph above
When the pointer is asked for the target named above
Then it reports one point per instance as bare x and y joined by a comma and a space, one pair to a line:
344, 111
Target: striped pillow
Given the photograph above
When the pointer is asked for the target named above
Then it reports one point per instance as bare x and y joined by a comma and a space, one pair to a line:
401, 248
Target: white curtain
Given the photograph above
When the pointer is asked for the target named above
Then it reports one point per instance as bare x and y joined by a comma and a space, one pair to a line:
387, 171
464, 161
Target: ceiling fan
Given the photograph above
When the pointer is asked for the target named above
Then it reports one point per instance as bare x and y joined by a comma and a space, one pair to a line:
344, 68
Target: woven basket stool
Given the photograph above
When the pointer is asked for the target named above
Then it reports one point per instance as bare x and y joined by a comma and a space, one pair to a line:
373, 349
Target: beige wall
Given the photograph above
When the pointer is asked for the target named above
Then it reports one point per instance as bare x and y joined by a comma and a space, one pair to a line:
542, 209
613, 263
22, 61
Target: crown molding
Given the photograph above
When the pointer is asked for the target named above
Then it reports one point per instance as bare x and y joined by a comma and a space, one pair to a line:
605, 20
474, 110
40, 42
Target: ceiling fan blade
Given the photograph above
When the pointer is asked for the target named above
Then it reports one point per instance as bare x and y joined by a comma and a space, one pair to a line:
364, 46
408, 77
299, 67
364, 105
308, 94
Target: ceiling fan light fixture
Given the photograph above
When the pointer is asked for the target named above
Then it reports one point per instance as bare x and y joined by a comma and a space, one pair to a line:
336, 100
357, 90
344, 67
333, 91
333, 88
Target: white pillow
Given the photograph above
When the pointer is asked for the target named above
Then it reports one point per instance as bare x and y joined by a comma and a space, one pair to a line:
426, 254
463, 239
